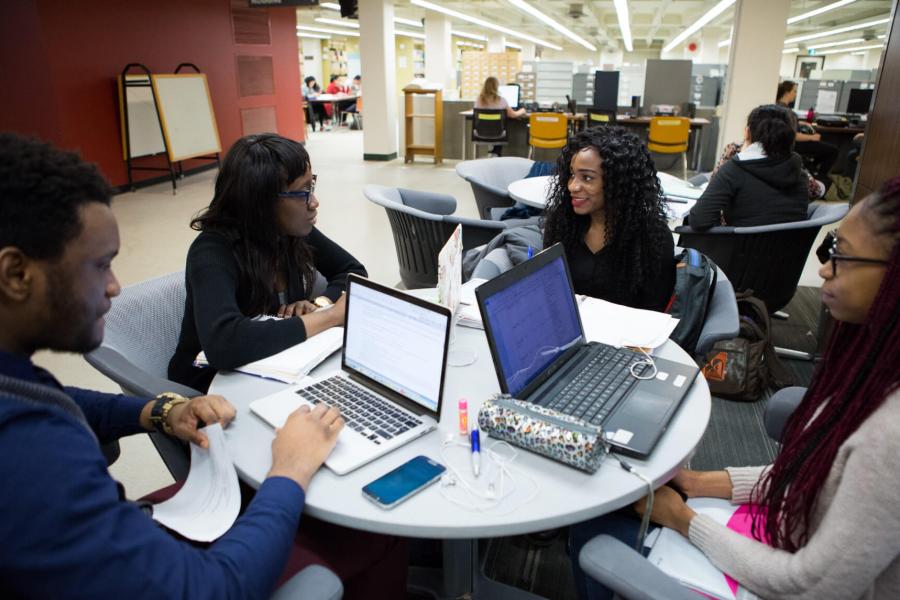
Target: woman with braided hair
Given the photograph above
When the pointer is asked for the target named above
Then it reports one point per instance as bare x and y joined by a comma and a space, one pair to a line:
828, 518
606, 207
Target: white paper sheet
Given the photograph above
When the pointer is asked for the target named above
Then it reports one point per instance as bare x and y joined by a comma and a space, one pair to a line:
826, 100
209, 501
619, 325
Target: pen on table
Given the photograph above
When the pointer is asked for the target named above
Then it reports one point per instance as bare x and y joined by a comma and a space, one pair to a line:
476, 452
530, 251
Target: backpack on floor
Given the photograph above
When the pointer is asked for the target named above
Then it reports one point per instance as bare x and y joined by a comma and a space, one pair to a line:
695, 282
743, 367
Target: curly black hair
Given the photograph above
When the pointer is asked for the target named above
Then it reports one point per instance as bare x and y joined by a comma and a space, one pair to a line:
773, 126
633, 202
42, 190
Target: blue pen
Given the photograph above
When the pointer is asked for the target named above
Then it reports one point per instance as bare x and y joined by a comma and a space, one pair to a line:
476, 452
530, 251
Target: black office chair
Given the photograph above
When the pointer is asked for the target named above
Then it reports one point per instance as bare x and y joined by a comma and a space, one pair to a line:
422, 222
597, 117
489, 127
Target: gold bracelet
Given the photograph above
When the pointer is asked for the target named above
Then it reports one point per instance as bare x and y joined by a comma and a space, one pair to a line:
159, 414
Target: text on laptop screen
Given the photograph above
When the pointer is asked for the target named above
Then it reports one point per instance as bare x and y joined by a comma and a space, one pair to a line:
396, 343
511, 93
533, 322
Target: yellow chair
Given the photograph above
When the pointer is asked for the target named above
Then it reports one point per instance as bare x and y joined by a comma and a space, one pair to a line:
547, 130
669, 135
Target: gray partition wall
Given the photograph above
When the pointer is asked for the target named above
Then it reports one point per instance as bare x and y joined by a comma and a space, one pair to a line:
667, 82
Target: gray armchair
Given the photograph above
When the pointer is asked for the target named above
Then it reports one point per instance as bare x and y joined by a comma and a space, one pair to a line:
620, 568
489, 178
142, 329
422, 222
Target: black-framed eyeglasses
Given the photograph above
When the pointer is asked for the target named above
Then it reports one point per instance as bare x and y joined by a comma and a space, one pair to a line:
827, 250
304, 195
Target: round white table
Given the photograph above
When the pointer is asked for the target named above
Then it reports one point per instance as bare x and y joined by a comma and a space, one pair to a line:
680, 195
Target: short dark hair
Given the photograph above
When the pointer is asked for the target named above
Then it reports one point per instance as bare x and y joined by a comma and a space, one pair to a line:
773, 126
308, 79
357, 78
41, 192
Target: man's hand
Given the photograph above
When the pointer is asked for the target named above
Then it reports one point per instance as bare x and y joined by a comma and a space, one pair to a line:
669, 510
305, 441
295, 309
185, 418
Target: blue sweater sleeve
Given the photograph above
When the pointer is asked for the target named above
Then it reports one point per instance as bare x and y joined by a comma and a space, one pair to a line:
66, 533
111, 416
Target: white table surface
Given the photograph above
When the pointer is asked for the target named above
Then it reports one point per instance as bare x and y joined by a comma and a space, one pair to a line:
565, 495
680, 195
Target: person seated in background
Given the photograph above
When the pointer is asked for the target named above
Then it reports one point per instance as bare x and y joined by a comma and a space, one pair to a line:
763, 184
258, 253
337, 86
491, 98
828, 519
312, 90
67, 529
606, 207
809, 143
356, 86
815, 187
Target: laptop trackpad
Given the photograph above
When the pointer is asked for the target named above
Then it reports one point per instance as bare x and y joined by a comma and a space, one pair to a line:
643, 409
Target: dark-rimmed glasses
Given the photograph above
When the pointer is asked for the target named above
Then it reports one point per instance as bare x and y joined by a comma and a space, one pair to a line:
827, 250
304, 195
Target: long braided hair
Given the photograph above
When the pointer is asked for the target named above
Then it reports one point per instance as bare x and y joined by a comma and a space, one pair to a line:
633, 202
860, 369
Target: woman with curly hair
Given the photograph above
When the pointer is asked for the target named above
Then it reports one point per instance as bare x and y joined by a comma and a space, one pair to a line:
828, 519
606, 207
258, 253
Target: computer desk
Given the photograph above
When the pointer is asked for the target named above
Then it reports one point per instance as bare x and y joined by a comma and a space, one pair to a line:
565, 495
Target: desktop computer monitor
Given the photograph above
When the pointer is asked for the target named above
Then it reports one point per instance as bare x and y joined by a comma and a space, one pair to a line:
511, 93
606, 90
859, 101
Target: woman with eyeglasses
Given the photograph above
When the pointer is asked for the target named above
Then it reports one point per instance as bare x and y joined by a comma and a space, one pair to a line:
258, 253
606, 207
829, 505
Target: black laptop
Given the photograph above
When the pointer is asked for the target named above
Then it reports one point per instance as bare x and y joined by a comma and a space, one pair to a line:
540, 353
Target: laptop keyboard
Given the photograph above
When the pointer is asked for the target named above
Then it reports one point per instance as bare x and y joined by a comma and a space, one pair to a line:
597, 389
371, 416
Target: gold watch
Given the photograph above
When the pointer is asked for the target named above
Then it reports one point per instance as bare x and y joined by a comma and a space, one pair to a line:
323, 302
159, 414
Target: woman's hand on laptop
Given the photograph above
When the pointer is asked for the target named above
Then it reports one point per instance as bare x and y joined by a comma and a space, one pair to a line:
305, 441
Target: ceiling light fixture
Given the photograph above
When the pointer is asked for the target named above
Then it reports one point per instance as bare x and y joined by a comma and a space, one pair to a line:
468, 36
325, 30
839, 30
857, 49
525, 7
412, 34
313, 35
410, 22
511, 45
337, 22
843, 43
330, 5
482, 23
790, 50
624, 24
819, 11
724, 43
711, 14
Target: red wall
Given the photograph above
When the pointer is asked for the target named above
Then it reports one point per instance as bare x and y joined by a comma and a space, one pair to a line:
60, 59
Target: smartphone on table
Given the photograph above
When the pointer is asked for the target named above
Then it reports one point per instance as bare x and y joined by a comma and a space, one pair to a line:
394, 487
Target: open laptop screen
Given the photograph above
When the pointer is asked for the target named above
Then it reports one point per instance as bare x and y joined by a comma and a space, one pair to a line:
533, 321
396, 342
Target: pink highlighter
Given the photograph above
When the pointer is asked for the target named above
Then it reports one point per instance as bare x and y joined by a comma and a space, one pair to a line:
463, 411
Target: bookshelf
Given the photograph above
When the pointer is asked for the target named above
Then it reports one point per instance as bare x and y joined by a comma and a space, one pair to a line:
437, 115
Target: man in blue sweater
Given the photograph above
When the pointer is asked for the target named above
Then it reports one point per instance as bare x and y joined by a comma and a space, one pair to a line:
65, 529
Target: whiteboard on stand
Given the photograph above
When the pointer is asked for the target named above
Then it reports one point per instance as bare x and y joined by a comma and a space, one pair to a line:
143, 123
186, 111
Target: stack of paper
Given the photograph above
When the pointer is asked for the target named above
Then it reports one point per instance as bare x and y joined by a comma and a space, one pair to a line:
680, 559
469, 314
619, 325
291, 365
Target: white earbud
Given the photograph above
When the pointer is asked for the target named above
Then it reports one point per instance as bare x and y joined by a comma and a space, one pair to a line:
448, 480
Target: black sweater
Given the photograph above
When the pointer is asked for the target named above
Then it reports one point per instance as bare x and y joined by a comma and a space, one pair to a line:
593, 272
215, 316
762, 191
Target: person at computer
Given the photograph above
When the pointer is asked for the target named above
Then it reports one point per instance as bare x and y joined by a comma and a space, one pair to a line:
606, 207
311, 90
67, 529
809, 143
490, 97
258, 253
828, 504
763, 184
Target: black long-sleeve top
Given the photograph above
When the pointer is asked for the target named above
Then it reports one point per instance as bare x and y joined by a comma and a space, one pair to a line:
216, 319
592, 274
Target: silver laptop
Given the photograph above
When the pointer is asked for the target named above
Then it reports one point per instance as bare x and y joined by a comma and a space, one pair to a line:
391, 383
541, 355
